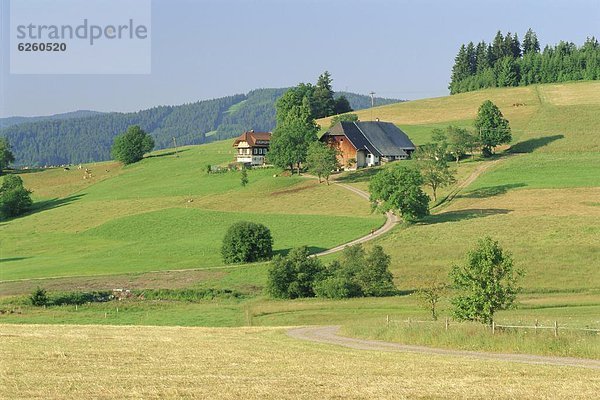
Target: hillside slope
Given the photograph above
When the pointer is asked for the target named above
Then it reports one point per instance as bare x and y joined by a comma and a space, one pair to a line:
548, 118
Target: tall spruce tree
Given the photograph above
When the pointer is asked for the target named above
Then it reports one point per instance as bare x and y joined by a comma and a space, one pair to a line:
322, 97
530, 42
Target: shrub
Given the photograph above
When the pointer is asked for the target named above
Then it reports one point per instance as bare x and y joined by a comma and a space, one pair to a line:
294, 275
247, 242
335, 287
39, 297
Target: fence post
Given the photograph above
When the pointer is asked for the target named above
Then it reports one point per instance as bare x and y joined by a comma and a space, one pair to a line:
536, 325
387, 320
493, 327
446, 323
555, 328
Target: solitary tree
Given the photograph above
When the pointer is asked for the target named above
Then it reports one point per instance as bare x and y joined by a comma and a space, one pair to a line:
434, 168
398, 188
130, 147
431, 294
6, 155
493, 128
14, 198
487, 282
247, 242
321, 160
459, 141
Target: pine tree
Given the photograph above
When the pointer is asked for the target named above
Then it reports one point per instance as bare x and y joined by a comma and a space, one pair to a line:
460, 70
530, 42
481, 57
322, 98
508, 74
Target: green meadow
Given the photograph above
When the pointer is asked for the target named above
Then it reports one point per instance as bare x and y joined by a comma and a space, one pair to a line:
159, 224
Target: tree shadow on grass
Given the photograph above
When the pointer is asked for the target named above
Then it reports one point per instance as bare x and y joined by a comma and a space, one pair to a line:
10, 259
462, 215
490, 191
530, 145
170, 153
53, 203
311, 250
361, 175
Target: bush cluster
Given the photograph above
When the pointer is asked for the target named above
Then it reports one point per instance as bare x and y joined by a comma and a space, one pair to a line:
358, 273
40, 298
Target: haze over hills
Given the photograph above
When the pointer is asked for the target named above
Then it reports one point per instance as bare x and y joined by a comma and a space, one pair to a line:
10, 121
86, 136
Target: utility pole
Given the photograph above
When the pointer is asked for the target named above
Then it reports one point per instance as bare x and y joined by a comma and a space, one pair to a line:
175, 145
372, 103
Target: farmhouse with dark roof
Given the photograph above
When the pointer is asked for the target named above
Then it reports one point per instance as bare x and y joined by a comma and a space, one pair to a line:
364, 144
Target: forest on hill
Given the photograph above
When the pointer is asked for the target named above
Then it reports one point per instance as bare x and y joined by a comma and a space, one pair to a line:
507, 62
10, 121
58, 141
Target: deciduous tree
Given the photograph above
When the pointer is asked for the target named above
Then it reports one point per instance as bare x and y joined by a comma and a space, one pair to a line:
321, 160
6, 155
492, 127
487, 282
130, 147
14, 198
398, 188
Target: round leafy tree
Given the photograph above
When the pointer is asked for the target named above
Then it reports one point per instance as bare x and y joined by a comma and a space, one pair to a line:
398, 188
247, 242
493, 128
14, 198
130, 147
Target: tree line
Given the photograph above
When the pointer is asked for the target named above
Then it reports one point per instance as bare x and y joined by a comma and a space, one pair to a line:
507, 62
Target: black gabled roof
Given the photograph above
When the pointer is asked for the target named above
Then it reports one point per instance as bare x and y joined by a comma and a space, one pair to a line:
379, 138
386, 137
354, 135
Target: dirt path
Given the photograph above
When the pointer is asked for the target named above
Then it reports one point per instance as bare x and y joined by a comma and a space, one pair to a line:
390, 222
470, 179
329, 335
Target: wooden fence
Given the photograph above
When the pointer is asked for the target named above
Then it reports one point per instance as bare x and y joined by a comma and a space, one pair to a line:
494, 326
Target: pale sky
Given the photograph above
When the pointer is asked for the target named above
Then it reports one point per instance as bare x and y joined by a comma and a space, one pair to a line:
206, 49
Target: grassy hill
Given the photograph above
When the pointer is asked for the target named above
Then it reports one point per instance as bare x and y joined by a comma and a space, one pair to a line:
547, 118
166, 212
541, 200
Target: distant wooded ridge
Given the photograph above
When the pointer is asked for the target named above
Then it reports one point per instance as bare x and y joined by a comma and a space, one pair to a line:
87, 136
507, 62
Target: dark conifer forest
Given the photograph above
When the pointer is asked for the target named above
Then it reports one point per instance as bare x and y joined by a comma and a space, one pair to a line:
507, 61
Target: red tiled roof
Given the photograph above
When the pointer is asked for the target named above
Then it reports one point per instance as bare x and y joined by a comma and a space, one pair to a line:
251, 137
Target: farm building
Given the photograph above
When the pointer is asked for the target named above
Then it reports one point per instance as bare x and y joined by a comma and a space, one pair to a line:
252, 147
364, 144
